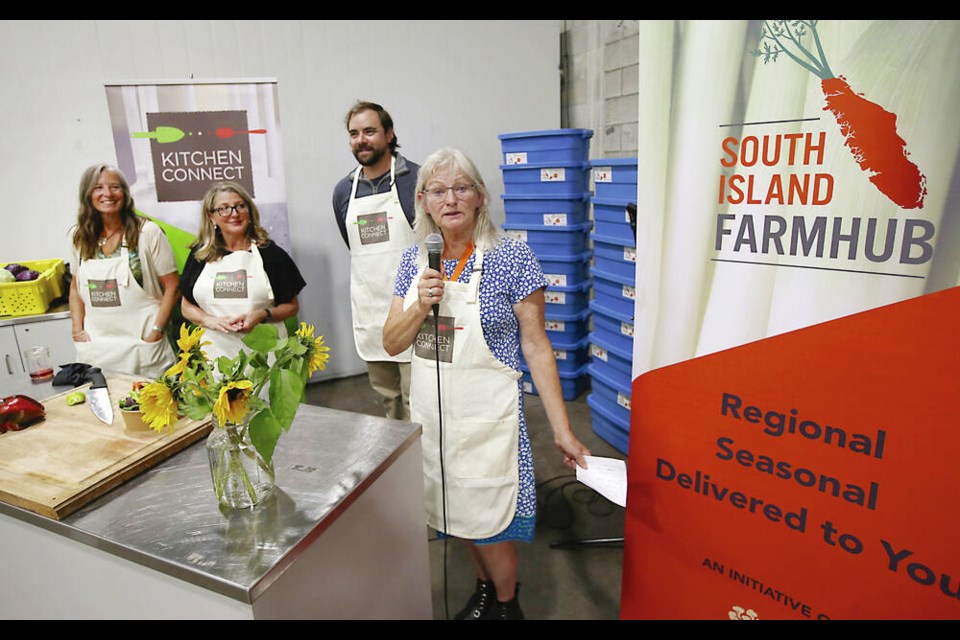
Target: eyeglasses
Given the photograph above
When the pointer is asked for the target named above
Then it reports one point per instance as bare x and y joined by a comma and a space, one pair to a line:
461, 191
227, 209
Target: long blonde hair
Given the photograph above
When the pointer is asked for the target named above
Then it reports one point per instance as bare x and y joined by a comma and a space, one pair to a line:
86, 234
208, 245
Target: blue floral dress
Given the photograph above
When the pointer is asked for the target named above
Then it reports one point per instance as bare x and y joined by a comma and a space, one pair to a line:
511, 272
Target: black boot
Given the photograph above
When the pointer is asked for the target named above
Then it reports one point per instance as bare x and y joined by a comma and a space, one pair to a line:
479, 603
509, 610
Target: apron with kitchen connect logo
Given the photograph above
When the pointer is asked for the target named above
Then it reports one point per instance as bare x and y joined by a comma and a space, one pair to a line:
378, 232
118, 314
233, 285
481, 416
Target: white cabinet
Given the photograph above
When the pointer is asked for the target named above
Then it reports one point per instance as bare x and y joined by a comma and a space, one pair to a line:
11, 362
20, 335
55, 333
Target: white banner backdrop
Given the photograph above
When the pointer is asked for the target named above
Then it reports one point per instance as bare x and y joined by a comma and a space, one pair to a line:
174, 139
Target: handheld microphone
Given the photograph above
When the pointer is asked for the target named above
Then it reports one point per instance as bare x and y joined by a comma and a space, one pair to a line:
434, 244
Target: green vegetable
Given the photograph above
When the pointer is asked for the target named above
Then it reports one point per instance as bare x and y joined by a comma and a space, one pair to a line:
77, 397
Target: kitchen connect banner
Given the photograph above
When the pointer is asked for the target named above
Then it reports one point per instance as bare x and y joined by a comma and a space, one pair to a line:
795, 376
175, 139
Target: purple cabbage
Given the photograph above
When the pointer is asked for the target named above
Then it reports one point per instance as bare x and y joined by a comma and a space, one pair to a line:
15, 268
27, 274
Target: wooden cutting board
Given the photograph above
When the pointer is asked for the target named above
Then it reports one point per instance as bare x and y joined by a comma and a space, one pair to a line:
56, 466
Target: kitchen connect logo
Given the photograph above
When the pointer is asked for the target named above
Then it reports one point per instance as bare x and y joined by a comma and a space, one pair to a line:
194, 148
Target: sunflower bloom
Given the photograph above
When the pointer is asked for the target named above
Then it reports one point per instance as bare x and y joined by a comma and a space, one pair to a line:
158, 406
305, 330
190, 339
319, 354
233, 403
191, 352
177, 370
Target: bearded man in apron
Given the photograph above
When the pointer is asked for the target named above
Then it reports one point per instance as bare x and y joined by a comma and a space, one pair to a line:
235, 276
466, 324
125, 283
374, 208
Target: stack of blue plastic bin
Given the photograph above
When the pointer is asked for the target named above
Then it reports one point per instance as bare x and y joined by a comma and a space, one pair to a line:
614, 293
546, 181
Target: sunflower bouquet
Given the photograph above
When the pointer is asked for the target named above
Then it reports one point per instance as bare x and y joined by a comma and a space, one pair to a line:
231, 388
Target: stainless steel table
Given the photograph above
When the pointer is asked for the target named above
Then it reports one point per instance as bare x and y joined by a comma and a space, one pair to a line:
343, 537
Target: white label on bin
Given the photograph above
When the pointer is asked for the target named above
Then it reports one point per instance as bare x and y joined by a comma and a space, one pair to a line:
629, 254
517, 234
629, 292
626, 328
556, 279
559, 354
553, 175
554, 325
555, 297
515, 158
603, 174
623, 400
527, 387
598, 352
555, 219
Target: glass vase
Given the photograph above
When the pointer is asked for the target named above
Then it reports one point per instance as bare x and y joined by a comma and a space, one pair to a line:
241, 477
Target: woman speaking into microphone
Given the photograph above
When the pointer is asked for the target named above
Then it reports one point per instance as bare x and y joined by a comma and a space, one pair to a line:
465, 377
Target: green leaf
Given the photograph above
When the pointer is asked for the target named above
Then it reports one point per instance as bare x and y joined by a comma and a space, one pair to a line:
259, 361
286, 389
226, 366
196, 409
296, 347
262, 338
264, 433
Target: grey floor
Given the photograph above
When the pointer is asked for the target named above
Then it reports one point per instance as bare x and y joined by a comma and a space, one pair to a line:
558, 582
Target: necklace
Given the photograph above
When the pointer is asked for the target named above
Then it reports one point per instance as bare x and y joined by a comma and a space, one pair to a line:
104, 240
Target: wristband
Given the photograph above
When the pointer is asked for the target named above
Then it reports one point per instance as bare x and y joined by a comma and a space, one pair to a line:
156, 328
269, 315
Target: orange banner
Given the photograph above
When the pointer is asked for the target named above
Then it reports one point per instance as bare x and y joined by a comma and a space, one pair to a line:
809, 475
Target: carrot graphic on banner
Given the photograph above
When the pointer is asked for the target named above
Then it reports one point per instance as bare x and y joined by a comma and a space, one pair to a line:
869, 130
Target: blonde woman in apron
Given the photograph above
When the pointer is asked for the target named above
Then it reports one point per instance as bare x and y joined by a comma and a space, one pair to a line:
125, 281
478, 465
235, 277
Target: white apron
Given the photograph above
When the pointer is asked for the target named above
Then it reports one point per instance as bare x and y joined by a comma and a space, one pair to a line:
235, 284
481, 419
378, 233
118, 314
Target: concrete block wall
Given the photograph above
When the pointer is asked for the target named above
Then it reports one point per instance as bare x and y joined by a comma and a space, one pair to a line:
599, 83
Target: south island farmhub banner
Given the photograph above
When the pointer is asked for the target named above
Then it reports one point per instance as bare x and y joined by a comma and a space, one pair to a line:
793, 437
174, 139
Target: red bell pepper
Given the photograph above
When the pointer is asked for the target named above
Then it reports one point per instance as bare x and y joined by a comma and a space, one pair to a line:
17, 412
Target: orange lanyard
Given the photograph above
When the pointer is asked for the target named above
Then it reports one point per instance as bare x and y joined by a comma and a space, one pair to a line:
462, 262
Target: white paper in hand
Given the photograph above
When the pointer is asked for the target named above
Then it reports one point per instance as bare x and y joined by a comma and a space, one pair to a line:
606, 476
